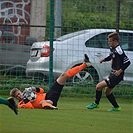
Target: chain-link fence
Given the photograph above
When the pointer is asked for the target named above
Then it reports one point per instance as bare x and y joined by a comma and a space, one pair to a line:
31, 31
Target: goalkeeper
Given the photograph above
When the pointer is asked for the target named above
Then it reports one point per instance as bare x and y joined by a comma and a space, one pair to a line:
46, 100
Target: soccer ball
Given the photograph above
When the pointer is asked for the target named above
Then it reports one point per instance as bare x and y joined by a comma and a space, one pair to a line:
31, 96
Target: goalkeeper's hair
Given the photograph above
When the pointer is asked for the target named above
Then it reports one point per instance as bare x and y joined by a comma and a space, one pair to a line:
13, 91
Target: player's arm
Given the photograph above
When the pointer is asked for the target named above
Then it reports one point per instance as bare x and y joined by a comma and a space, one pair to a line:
126, 63
105, 59
36, 89
39, 90
21, 104
123, 57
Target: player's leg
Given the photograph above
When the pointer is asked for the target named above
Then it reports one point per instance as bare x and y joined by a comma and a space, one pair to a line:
99, 88
112, 100
109, 83
54, 93
70, 73
4, 101
98, 95
73, 71
13, 105
10, 103
48, 104
112, 82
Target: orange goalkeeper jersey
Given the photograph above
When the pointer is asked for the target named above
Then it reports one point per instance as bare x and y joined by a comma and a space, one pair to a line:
35, 104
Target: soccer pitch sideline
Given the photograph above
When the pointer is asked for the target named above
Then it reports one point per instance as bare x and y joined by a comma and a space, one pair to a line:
72, 117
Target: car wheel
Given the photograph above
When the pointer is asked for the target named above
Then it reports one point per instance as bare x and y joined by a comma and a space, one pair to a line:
16, 71
85, 77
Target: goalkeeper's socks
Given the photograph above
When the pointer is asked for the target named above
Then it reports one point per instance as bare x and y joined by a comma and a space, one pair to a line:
112, 100
4, 101
98, 96
73, 71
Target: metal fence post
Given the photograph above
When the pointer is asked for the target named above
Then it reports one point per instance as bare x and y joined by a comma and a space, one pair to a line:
58, 18
118, 15
51, 42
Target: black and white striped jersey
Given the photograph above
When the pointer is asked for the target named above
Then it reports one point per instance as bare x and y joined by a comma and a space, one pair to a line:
119, 58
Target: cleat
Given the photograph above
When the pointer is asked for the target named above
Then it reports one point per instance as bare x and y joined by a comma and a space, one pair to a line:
92, 106
113, 109
13, 105
86, 60
50, 108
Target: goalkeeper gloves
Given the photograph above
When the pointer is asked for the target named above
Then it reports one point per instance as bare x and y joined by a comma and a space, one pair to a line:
30, 89
24, 97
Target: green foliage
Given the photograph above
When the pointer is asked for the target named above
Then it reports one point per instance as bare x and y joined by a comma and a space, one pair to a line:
84, 14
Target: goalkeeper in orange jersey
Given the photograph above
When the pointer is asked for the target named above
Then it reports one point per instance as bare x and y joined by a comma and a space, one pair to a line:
46, 100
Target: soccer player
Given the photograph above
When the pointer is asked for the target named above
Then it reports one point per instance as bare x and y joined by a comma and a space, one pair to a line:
47, 100
10, 103
119, 63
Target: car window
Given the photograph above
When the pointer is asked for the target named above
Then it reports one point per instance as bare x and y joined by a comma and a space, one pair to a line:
126, 41
101, 41
98, 41
130, 42
71, 35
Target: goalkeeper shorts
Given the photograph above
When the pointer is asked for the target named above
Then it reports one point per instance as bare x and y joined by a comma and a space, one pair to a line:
54, 93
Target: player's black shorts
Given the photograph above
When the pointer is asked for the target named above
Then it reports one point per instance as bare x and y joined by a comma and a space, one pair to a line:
54, 93
113, 80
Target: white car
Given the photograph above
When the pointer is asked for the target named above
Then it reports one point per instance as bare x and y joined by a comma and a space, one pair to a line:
13, 58
69, 50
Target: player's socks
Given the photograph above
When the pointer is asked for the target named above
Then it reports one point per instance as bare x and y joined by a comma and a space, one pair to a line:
71, 72
97, 100
112, 100
4, 101
98, 96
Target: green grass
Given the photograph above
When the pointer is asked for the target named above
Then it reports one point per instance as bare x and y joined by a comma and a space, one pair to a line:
72, 117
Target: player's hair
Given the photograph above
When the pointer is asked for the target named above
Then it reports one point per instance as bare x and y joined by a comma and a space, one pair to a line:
114, 36
13, 91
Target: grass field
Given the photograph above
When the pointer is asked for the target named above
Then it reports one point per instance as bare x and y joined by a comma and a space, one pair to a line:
72, 117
